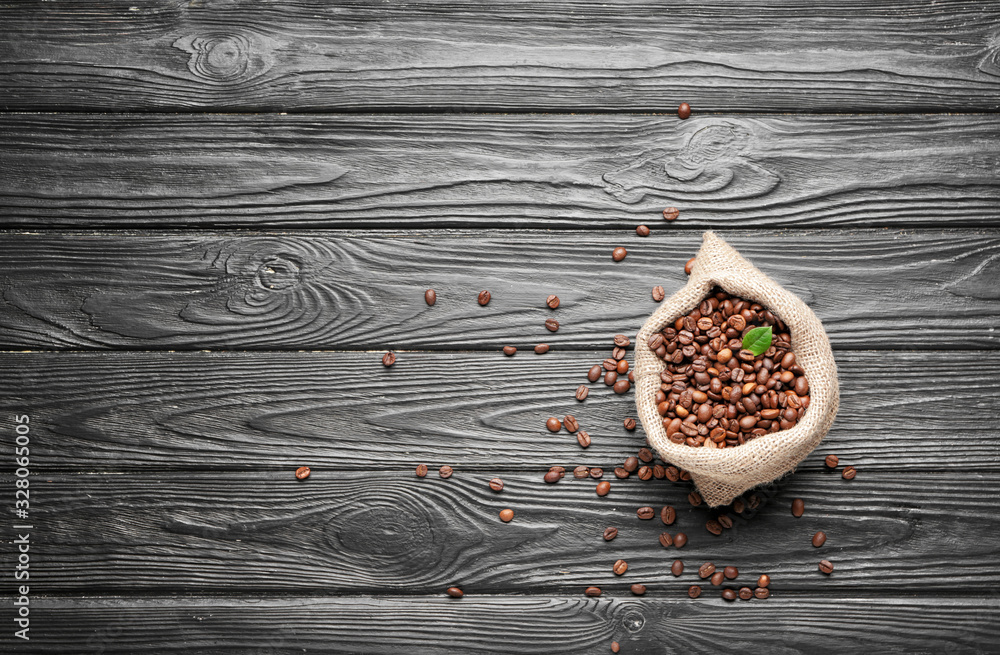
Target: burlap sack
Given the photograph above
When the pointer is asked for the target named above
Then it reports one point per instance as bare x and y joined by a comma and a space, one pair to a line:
721, 475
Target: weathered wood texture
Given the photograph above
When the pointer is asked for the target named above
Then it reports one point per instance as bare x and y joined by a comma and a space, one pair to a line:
513, 624
872, 289
372, 532
499, 171
913, 412
312, 55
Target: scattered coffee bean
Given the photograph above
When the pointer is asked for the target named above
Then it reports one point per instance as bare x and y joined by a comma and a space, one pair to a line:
593, 592
553, 424
725, 521
594, 373
668, 515
694, 591
764, 580
671, 214
645, 454
603, 488
622, 386
581, 473
570, 423
484, 298
666, 540
717, 579
731, 572
622, 341
713, 526
694, 498
762, 592
645, 513
618, 254
645, 473
421, 470
631, 464
430, 296
688, 265
552, 302
389, 358
622, 367
739, 506
680, 539
826, 566
849, 473
658, 471
683, 111
677, 568
706, 570
552, 477
509, 350
583, 438
611, 378
629, 424
610, 533
597, 473
638, 589
582, 392
746, 593
642, 230
541, 349
658, 293
798, 507
620, 567
506, 515
558, 469
728, 594
496, 484
302, 472
819, 539
832, 461
445, 471
615, 647
551, 324
621, 473
455, 592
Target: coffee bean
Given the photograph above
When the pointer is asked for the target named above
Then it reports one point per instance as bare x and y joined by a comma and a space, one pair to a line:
603, 488
389, 358
658, 471
672, 473
731, 572
683, 111
610, 533
570, 423
819, 539
621, 473
583, 438
484, 298
826, 566
496, 484
642, 231
620, 567
739, 506
430, 296
746, 593
594, 373
622, 341
677, 568
560, 470
615, 647
638, 589
762, 592
694, 591
645, 473
728, 594
849, 473
832, 461
541, 349
622, 367
694, 498
631, 464
798, 507
725, 521
680, 539
553, 424
445, 471
421, 470
706, 570
581, 472
611, 378
618, 254
629, 424
655, 341
509, 350
666, 540
713, 526
582, 392
593, 592
302, 472
506, 515
717, 578
671, 214
552, 302
668, 515
658, 293
764, 580
552, 477
645, 513
622, 386
689, 265
455, 592
551, 324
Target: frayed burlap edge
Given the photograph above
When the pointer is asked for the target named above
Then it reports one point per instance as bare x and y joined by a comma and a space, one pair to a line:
722, 475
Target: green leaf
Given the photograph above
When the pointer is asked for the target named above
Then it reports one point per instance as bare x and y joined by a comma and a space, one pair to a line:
758, 340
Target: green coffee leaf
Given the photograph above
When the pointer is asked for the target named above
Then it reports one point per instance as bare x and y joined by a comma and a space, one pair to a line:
758, 340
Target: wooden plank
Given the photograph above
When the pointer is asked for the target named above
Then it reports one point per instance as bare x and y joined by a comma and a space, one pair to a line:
499, 171
310, 55
391, 532
900, 411
851, 622
873, 289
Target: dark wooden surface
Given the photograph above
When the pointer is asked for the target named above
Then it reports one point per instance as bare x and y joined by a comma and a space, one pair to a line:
195, 302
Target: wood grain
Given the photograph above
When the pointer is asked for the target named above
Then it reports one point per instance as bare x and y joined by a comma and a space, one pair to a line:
900, 411
554, 56
872, 289
516, 624
493, 171
387, 532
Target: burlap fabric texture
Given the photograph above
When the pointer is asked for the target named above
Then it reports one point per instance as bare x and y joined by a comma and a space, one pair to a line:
722, 475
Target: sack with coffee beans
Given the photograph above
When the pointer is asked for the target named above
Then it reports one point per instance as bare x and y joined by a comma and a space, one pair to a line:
723, 473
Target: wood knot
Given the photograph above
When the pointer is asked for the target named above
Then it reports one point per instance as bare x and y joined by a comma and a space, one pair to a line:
278, 274
382, 531
223, 58
633, 621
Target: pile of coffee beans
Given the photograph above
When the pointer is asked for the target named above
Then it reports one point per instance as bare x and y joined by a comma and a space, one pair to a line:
716, 394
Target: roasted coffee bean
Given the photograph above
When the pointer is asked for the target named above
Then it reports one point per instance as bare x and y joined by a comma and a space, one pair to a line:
629, 424
746, 593
638, 589
671, 214
509, 350
484, 298
658, 293
762, 593
541, 349
798, 507
615, 647
552, 477
764, 580
594, 373
553, 424
496, 484
680, 539
610, 533
739, 506
552, 302
631, 464
658, 471
622, 386
717, 578
603, 488
582, 392
421, 470
570, 423
713, 526
642, 230
455, 592
389, 359
832, 461
645, 513
620, 567
645, 454
683, 111
706, 570
689, 265
731, 572
551, 324
685, 476
694, 498
303, 472
622, 341
753, 502
826, 566
445, 471
618, 254
558, 469
819, 539
645, 473
597, 473
581, 472
668, 515
725, 521
611, 377
666, 540
622, 367
430, 296
694, 591
621, 473
506, 515
849, 473
677, 567
672, 473
593, 592
728, 594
